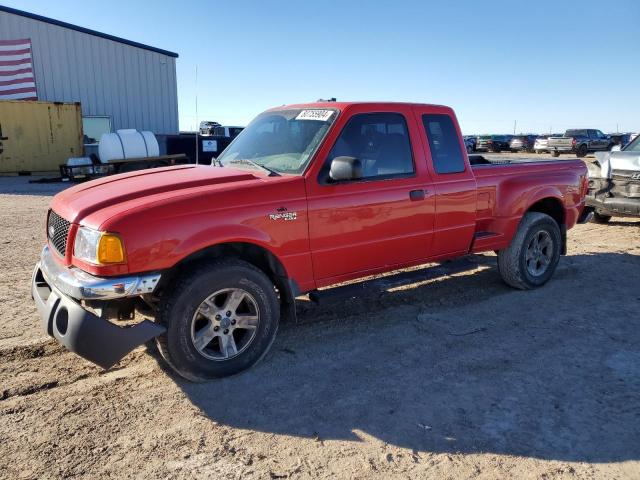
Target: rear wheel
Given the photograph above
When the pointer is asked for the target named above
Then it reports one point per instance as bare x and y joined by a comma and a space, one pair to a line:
534, 252
582, 151
221, 319
555, 153
599, 218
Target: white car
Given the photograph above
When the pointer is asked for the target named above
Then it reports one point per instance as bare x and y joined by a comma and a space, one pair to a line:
542, 143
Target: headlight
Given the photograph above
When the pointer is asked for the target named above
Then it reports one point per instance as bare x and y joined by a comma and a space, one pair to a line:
97, 247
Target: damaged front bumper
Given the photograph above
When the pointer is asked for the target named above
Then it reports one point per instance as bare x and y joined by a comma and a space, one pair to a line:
615, 206
57, 292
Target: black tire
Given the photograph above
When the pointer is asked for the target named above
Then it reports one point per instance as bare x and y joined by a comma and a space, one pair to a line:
186, 294
599, 218
512, 261
555, 153
581, 151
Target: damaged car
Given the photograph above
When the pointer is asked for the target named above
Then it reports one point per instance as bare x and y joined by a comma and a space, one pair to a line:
614, 183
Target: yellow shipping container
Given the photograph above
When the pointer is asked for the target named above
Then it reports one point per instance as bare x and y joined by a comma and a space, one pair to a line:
38, 136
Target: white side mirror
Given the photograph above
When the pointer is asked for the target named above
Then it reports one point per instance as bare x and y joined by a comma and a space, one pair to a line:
616, 148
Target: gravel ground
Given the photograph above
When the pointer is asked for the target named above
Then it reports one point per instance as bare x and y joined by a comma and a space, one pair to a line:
450, 374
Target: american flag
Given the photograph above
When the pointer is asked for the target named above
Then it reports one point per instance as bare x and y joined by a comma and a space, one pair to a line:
17, 81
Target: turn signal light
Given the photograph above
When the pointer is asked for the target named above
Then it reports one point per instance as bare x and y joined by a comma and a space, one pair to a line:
110, 249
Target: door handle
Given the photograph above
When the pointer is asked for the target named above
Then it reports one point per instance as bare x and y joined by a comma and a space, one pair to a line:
415, 195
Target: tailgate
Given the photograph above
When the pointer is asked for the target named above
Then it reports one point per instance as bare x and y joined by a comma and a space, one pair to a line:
560, 142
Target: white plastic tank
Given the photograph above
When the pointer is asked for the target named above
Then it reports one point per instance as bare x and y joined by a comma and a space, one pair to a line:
127, 144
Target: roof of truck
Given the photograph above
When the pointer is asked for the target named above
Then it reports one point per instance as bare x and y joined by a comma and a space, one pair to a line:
343, 105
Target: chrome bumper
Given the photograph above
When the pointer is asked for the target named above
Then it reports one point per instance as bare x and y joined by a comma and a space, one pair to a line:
83, 286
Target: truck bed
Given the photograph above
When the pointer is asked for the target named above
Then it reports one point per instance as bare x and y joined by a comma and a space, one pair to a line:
482, 161
500, 186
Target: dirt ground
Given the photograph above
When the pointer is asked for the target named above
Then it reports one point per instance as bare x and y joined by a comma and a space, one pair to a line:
450, 374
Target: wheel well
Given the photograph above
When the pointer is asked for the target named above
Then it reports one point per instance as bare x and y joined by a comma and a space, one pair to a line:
258, 256
552, 207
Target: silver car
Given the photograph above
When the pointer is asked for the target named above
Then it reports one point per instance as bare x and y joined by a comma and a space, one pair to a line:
542, 143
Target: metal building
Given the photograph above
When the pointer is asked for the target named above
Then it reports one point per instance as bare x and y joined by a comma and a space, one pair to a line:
119, 83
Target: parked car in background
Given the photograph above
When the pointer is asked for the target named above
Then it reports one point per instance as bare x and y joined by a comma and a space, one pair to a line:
493, 143
614, 183
579, 142
207, 127
542, 142
214, 129
522, 143
470, 142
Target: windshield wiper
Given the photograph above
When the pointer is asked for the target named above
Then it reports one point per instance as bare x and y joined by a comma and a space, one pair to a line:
271, 172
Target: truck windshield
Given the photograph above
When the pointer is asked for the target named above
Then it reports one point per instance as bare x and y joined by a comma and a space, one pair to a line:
282, 141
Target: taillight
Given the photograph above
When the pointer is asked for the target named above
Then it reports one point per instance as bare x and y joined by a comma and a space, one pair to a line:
573, 141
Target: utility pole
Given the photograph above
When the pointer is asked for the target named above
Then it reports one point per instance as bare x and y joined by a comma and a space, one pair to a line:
515, 122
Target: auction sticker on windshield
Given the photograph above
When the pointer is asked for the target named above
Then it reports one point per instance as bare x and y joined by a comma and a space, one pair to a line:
319, 115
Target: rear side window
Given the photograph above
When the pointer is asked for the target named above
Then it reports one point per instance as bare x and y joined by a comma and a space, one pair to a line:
444, 144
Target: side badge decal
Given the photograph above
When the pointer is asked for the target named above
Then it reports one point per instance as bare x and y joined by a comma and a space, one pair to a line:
284, 215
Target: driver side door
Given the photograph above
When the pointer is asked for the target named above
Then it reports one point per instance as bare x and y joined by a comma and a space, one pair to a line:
381, 220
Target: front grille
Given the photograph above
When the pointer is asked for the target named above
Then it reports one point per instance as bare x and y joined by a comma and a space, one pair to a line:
57, 232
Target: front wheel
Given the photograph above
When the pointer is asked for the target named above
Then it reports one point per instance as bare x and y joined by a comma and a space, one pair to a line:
534, 252
221, 319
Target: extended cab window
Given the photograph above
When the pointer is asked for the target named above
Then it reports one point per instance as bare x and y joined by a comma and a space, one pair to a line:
445, 148
380, 141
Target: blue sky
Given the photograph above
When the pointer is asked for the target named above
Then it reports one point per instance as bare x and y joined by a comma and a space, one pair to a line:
544, 64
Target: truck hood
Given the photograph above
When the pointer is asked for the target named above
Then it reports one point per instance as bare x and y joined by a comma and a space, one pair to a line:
136, 189
616, 161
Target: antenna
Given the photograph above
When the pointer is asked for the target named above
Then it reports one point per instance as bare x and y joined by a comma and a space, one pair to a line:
197, 125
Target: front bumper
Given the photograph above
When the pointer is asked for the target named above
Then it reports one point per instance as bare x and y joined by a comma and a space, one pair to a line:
83, 286
63, 317
614, 206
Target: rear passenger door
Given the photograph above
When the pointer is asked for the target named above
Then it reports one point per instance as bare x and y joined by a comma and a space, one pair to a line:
453, 181
383, 219
602, 140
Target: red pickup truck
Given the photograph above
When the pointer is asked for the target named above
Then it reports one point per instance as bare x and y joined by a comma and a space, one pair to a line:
305, 197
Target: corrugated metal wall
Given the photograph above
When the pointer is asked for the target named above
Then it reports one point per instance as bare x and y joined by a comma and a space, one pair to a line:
137, 88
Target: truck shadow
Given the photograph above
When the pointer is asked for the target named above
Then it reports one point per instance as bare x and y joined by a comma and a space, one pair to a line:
460, 364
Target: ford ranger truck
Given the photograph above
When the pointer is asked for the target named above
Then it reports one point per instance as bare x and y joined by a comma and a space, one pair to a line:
307, 196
